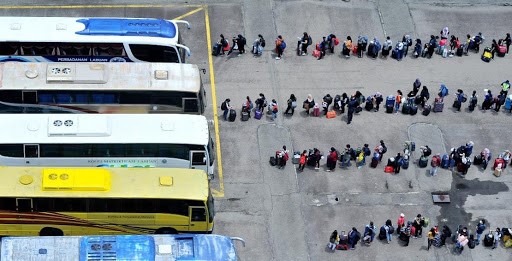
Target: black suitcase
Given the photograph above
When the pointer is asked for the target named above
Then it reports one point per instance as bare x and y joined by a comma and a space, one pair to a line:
426, 110
232, 115
368, 106
273, 161
460, 51
477, 160
389, 108
456, 104
414, 109
345, 51
374, 162
245, 116
406, 108
359, 109
423, 162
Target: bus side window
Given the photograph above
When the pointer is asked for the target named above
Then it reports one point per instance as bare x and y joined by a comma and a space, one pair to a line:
198, 214
154, 53
27, 50
9, 49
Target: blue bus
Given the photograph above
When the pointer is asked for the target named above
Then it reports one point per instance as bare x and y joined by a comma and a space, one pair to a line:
188, 247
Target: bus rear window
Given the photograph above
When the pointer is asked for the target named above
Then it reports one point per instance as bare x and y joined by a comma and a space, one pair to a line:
154, 53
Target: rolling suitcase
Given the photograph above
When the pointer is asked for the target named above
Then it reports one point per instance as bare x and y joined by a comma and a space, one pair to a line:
374, 162
497, 172
232, 115
508, 103
316, 110
368, 106
405, 163
426, 110
245, 116
406, 108
414, 109
258, 114
389, 108
273, 161
438, 106
456, 104
316, 53
460, 51
477, 160
423, 162
502, 50
296, 157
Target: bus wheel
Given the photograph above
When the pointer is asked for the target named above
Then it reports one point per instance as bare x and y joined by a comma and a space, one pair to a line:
166, 230
50, 231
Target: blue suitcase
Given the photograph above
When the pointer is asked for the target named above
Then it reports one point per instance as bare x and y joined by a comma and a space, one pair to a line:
258, 114
508, 103
390, 101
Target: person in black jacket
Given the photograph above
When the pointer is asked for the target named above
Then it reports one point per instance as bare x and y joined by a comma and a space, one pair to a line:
424, 95
352, 105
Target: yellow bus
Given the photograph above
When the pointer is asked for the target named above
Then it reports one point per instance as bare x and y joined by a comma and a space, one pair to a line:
53, 201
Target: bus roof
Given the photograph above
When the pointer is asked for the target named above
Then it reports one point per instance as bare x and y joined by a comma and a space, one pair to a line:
100, 76
158, 183
103, 128
88, 30
195, 247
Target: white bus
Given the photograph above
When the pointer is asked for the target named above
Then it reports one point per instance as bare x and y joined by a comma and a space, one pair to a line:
101, 140
101, 88
74, 39
191, 247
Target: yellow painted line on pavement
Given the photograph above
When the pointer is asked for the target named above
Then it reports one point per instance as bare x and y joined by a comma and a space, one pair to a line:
216, 193
189, 13
90, 6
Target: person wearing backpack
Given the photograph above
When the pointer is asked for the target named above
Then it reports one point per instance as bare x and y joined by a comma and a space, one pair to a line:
280, 46
261, 102
225, 107
247, 106
258, 45
282, 156
323, 46
480, 228
353, 237
389, 230
430, 237
274, 109
291, 105
304, 42
240, 43
407, 40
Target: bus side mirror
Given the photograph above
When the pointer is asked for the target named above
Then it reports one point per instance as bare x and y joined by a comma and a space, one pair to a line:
203, 70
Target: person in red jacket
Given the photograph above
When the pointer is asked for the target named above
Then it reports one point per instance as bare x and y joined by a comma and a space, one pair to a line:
435, 163
400, 223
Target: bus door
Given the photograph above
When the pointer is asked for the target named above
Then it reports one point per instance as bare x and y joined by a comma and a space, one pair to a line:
31, 152
29, 97
198, 219
198, 160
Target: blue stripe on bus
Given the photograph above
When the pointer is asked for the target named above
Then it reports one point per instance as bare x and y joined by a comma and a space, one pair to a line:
128, 27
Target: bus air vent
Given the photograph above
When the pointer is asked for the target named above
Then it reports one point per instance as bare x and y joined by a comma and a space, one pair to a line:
84, 125
76, 179
76, 73
128, 247
16, 26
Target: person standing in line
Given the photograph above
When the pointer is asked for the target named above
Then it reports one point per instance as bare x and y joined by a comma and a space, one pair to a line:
377, 98
323, 46
508, 41
480, 228
327, 100
304, 43
226, 107
247, 105
381, 149
332, 159
353, 237
291, 105
258, 45
505, 86
352, 104
302, 161
398, 163
343, 102
308, 103
494, 48
430, 237
261, 102
333, 240
398, 100
282, 156
274, 109
418, 225
280, 46
389, 231
435, 163
497, 237
416, 85
400, 223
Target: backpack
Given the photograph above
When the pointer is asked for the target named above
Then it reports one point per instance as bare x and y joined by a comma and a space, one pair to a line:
367, 151
444, 91
244, 41
283, 45
275, 109
223, 106
310, 41
286, 156
426, 221
262, 42
391, 230
384, 149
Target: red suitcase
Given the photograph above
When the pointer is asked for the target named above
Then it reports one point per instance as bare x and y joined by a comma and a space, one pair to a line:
499, 162
502, 50
316, 53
